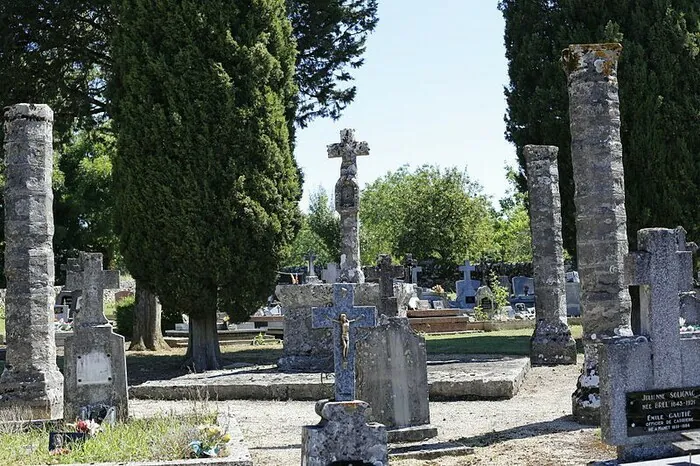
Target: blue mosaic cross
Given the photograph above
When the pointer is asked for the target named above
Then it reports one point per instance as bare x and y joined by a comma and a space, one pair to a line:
344, 340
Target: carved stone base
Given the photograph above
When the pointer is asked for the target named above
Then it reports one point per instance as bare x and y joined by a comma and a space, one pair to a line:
343, 435
26, 396
552, 344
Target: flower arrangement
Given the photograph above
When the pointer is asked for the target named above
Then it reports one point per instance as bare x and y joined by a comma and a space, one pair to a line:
210, 442
688, 328
438, 289
59, 442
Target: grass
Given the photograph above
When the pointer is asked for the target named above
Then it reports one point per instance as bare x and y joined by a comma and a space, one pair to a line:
160, 439
515, 342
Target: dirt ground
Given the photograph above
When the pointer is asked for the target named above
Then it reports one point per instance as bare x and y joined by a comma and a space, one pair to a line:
533, 428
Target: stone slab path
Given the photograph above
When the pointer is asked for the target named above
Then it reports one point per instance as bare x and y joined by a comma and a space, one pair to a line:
449, 377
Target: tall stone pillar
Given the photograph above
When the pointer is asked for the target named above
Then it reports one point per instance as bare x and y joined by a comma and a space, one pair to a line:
31, 385
347, 204
601, 230
551, 343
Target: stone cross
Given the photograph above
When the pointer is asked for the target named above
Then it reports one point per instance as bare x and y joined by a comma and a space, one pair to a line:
311, 277
31, 386
85, 274
344, 318
347, 203
414, 273
601, 219
551, 342
465, 287
649, 383
387, 273
467, 268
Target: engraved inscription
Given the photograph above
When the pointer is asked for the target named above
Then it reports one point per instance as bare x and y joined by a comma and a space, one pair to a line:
660, 411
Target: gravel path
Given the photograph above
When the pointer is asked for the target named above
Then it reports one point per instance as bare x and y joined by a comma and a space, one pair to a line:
533, 428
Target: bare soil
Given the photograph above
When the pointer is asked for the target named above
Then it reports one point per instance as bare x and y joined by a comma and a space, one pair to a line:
533, 428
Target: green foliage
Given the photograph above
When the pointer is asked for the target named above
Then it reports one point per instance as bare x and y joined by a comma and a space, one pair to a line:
431, 213
307, 240
500, 293
83, 200
331, 38
206, 186
325, 223
480, 314
124, 316
512, 238
659, 78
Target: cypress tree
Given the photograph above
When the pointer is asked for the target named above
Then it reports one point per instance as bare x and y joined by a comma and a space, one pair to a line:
659, 76
206, 186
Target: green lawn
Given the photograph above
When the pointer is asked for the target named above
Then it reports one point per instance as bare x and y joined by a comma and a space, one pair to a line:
516, 342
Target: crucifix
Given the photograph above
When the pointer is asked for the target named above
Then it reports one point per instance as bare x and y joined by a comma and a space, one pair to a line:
85, 274
344, 318
347, 202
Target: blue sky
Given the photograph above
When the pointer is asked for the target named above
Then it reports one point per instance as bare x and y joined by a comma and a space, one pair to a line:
430, 92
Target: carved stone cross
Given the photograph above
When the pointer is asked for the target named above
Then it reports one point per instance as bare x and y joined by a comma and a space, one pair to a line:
467, 268
387, 273
348, 149
85, 274
311, 276
344, 334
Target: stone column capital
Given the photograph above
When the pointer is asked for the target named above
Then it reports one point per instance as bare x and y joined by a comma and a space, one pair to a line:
589, 61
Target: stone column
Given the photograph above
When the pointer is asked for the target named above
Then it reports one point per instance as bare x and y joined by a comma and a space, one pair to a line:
347, 204
31, 385
601, 230
551, 343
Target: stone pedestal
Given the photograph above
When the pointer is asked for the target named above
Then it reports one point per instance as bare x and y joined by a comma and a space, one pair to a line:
392, 376
601, 230
551, 342
344, 436
95, 372
31, 386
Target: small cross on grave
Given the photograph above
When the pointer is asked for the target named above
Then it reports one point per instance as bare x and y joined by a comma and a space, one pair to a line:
465, 287
85, 274
344, 318
414, 273
311, 277
387, 273
467, 268
409, 263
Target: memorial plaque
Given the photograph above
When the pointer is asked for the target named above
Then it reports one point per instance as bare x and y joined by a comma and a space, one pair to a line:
658, 411
94, 368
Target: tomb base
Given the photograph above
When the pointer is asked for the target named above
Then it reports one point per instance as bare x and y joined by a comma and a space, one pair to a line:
344, 436
411, 434
552, 344
31, 395
95, 372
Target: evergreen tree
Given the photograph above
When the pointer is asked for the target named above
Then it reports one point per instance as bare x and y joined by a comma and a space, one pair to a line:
206, 187
659, 76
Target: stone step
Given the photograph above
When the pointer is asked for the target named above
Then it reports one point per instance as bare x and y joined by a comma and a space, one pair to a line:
411, 313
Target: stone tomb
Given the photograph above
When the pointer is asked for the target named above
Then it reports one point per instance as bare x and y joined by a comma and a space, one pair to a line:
95, 363
466, 288
650, 384
343, 435
392, 372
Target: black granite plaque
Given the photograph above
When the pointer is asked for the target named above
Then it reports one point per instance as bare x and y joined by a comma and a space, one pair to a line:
659, 411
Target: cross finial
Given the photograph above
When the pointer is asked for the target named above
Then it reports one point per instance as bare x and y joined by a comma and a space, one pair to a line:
348, 148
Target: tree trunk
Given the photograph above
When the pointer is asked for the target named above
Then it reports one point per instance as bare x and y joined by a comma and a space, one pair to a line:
147, 335
203, 353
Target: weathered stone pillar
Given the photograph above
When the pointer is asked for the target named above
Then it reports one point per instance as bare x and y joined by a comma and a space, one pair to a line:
31, 385
551, 343
347, 204
601, 230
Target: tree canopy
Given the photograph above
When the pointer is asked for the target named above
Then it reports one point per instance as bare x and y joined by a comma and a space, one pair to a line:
206, 185
659, 78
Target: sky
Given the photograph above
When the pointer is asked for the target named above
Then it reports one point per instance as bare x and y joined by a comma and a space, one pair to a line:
430, 92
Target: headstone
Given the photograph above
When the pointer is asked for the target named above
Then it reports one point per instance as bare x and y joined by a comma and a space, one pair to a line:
94, 362
523, 287
573, 299
347, 204
601, 238
466, 288
551, 342
650, 384
331, 273
343, 436
410, 263
343, 318
387, 273
31, 384
311, 276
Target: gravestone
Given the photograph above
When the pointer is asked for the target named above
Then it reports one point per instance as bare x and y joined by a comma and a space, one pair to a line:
392, 374
409, 263
311, 276
387, 273
601, 230
347, 204
650, 384
94, 362
523, 287
31, 386
343, 434
331, 273
573, 299
466, 288
551, 342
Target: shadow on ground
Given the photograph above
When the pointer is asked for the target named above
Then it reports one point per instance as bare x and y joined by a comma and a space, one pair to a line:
555, 426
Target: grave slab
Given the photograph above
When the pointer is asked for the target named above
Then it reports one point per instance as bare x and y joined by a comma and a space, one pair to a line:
459, 377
